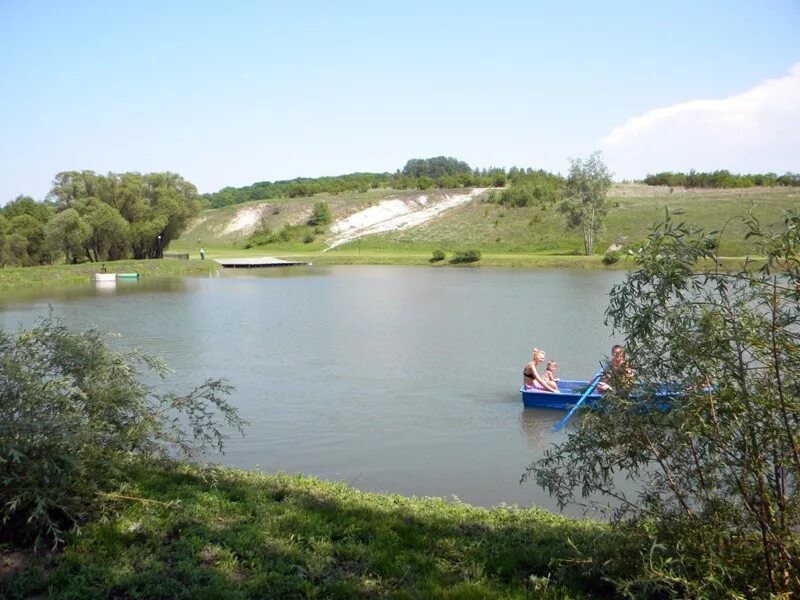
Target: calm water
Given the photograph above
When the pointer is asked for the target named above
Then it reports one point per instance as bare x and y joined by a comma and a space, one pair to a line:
397, 379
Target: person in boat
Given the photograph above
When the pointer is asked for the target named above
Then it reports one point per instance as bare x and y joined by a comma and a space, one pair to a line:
550, 373
531, 380
103, 269
615, 370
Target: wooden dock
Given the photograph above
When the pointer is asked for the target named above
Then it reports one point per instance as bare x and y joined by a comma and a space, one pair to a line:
257, 263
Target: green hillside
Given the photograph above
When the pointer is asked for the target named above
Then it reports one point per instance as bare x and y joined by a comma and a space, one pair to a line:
493, 228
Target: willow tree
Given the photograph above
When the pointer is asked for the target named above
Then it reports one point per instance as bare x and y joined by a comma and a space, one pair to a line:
585, 203
717, 465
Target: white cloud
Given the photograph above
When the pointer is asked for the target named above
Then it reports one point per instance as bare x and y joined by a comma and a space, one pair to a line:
756, 131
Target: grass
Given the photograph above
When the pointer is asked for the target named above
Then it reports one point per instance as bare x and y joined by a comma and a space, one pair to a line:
633, 210
57, 274
227, 533
505, 236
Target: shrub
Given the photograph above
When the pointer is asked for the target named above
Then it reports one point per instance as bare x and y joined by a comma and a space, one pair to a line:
611, 257
438, 255
716, 468
321, 215
466, 256
73, 414
286, 234
308, 238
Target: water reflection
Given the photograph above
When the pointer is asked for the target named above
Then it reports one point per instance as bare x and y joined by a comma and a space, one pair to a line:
75, 292
537, 424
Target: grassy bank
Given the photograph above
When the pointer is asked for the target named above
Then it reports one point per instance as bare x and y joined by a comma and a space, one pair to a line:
236, 534
48, 275
57, 274
492, 228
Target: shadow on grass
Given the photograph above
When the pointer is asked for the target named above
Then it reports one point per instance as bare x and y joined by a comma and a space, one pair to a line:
236, 534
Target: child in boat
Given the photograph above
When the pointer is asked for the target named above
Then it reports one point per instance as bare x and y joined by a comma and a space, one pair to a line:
531, 380
549, 374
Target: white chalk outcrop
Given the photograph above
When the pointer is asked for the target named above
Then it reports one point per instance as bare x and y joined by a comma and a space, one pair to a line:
395, 215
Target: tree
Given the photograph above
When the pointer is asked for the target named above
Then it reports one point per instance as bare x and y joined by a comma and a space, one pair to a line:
32, 230
3, 240
438, 166
154, 204
74, 415
25, 205
68, 232
718, 464
71, 186
321, 215
110, 236
585, 203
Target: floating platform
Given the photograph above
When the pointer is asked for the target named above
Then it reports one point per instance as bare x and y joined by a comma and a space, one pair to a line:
256, 263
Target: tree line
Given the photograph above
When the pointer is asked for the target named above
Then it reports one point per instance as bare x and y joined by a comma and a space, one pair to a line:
92, 217
722, 179
419, 173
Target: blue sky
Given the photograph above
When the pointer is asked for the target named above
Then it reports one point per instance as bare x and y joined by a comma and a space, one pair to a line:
233, 93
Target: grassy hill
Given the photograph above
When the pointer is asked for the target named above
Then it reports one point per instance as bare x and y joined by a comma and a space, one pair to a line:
494, 229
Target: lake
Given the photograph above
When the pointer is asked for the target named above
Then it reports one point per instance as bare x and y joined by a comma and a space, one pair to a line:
392, 379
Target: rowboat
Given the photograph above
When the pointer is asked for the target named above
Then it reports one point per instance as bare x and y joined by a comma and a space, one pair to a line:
105, 276
128, 275
570, 391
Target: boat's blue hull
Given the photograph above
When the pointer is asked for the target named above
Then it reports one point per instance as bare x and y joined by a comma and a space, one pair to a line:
570, 393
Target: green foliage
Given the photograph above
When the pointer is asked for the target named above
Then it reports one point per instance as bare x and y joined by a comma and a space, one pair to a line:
68, 232
611, 257
466, 256
717, 466
424, 183
226, 533
110, 232
156, 206
265, 235
439, 166
27, 241
438, 255
321, 215
25, 205
73, 413
531, 190
722, 179
585, 204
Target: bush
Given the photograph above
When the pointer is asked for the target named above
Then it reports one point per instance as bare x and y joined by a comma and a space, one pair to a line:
285, 234
73, 414
466, 256
308, 238
716, 468
611, 257
321, 215
438, 255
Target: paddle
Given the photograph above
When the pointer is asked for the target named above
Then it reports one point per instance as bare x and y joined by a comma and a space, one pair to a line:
588, 391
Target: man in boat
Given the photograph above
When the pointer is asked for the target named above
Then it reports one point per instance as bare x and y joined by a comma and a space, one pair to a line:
616, 369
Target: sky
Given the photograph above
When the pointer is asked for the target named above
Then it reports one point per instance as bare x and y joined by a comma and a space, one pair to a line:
230, 93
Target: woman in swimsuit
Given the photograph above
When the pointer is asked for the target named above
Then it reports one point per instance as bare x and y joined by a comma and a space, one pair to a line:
531, 380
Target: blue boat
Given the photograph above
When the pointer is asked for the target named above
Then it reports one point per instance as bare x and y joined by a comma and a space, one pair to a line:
570, 392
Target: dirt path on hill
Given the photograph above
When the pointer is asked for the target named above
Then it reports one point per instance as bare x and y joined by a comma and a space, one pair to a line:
394, 215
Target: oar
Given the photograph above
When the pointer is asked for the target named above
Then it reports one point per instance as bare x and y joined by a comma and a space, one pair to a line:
588, 391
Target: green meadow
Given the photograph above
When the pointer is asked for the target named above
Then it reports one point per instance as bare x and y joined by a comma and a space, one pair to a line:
181, 532
507, 236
